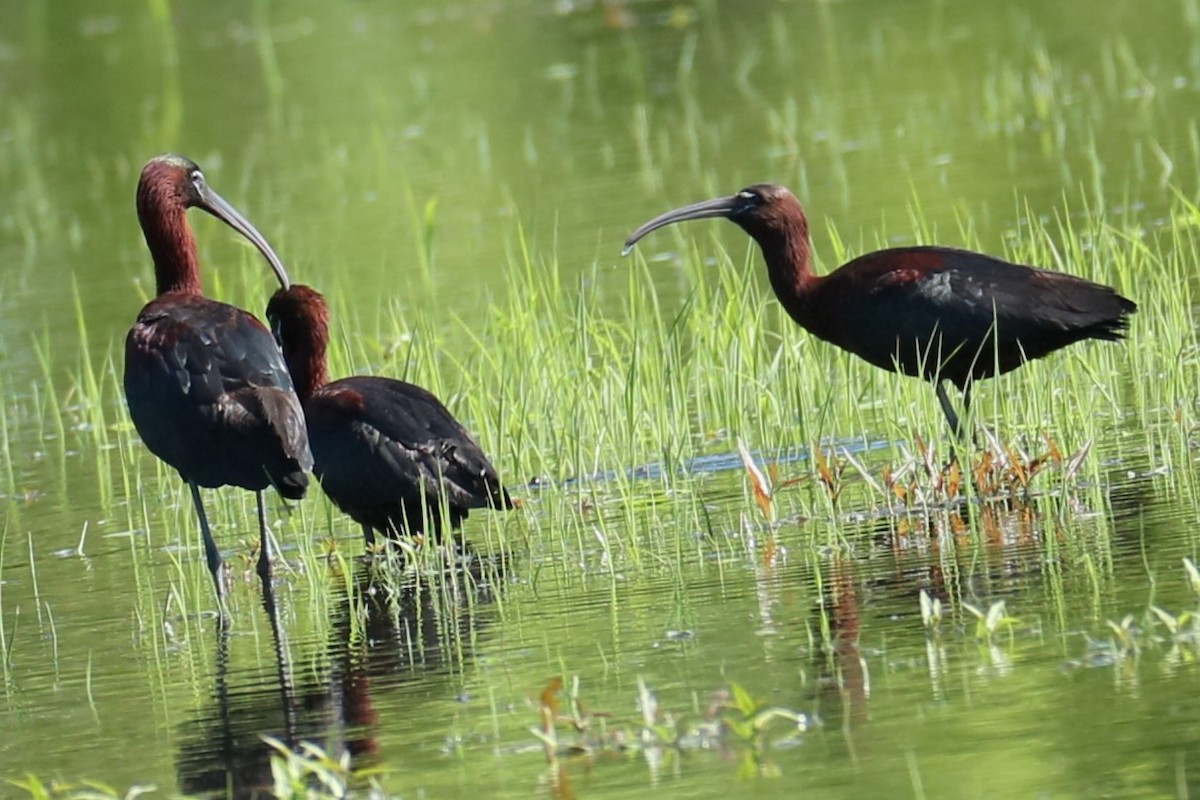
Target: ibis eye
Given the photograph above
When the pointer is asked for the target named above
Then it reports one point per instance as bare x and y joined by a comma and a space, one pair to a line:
746, 194
197, 178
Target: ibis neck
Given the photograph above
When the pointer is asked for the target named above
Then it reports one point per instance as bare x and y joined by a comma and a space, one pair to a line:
789, 265
173, 247
305, 353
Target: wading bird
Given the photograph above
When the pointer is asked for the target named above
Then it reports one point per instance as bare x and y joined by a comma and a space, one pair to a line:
932, 312
387, 453
206, 384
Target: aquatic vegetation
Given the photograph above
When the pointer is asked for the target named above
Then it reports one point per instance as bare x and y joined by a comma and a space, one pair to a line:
573, 399
310, 773
732, 718
709, 497
37, 789
991, 621
1174, 636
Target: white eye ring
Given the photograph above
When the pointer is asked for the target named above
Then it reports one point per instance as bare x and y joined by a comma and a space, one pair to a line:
197, 177
746, 194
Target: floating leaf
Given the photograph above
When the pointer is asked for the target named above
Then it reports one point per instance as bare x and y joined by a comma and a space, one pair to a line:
742, 700
763, 718
648, 704
758, 482
994, 615
1193, 574
1166, 619
1124, 632
931, 609
548, 702
741, 728
829, 473
953, 480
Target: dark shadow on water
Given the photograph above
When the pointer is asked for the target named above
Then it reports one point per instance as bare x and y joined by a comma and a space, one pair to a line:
381, 639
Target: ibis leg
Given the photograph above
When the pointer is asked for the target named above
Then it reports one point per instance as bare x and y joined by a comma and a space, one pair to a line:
948, 410
216, 566
264, 547
368, 538
974, 438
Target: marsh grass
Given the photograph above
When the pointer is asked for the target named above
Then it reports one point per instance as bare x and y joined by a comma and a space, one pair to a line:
595, 418
599, 396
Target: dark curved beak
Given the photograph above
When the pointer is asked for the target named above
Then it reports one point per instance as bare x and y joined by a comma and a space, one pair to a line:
220, 208
705, 209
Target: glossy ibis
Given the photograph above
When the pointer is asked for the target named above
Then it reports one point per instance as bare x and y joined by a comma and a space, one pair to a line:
932, 312
387, 453
206, 384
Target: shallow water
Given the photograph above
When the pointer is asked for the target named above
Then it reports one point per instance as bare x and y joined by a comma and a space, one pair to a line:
334, 128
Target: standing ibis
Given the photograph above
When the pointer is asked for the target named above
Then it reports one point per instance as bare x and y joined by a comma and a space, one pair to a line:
932, 312
387, 453
206, 384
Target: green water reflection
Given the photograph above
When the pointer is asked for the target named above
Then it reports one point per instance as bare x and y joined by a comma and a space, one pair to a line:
399, 152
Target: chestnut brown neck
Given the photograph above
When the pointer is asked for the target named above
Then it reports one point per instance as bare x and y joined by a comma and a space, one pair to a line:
308, 367
785, 245
303, 325
162, 212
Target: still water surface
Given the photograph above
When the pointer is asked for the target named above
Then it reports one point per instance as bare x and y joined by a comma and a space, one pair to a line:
405, 149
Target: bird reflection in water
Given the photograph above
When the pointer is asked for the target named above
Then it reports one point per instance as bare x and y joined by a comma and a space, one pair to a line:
843, 669
996, 553
380, 639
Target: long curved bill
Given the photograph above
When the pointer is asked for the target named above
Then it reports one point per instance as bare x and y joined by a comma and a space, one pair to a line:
705, 209
220, 208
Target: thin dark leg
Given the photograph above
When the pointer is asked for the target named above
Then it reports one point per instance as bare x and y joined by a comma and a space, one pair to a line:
369, 537
216, 567
264, 546
967, 415
948, 410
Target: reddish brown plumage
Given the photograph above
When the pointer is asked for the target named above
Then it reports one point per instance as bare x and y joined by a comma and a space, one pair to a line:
934, 312
388, 453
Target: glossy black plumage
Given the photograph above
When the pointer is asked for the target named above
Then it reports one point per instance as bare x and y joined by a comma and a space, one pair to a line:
934, 312
210, 394
388, 453
206, 385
